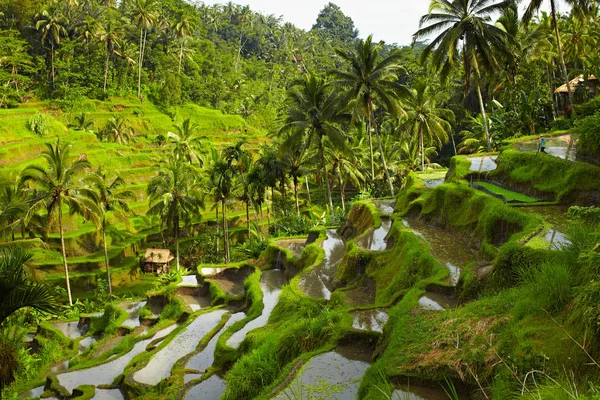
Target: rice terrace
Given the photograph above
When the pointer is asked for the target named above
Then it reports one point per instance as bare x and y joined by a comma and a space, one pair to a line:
204, 201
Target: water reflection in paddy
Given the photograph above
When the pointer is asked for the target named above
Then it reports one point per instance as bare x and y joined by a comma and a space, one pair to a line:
105, 374
108, 394
436, 301
206, 357
559, 146
184, 343
294, 245
210, 389
483, 164
69, 329
189, 280
450, 249
133, 313
374, 239
271, 282
333, 375
412, 392
385, 206
369, 320
316, 282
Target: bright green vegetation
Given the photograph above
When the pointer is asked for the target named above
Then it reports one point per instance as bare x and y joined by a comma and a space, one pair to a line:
508, 195
215, 131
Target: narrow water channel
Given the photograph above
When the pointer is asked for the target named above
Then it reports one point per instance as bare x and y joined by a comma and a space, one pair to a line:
271, 283
333, 375
185, 342
105, 374
316, 283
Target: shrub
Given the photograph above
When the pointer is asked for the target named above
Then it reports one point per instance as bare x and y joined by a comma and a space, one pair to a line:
561, 124
39, 124
589, 136
589, 108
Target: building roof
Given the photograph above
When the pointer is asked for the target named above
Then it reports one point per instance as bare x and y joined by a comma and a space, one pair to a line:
158, 256
578, 80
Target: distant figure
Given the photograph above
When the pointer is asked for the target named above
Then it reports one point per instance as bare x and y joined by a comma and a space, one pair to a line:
542, 144
245, 129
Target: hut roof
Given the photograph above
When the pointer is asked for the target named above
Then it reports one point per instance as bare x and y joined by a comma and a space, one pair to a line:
158, 256
578, 80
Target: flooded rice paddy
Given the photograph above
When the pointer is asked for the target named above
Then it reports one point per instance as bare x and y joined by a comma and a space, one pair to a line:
210, 389
369, 320
375, 239
316, 283
483, 164
559, 146
183, 343
271, 283
296, 246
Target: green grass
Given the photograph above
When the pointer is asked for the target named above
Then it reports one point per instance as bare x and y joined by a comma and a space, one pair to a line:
509, 195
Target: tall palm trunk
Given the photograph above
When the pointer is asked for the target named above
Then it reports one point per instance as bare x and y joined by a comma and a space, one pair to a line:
563, 66
106, 68
371, 146
273, 208
143, 34
342, 194
248, 216
482, 106
180, 55
225, 233
106, 256
52, 65
63, 250
325, 176
217, 222
385, 168
176, 226
421, 144
296, 195
307, 189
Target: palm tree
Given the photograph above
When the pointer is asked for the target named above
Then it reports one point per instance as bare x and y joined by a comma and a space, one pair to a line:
82, 122
465, 29
118, 130
295, 160
144, 16
173, 196
425, 118
372, 81
221, 177
109, 35
57, 185
184, 28
186, 143
345, 170
111, 198
17, 290
53, 28
531, 10
312, 114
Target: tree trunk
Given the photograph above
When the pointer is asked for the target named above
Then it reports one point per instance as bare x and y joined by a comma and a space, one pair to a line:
64, 252
342, 190
217, 221
552, 96
106, 262
296, 195
52, 72
385, 168
307, 189
482, 107
140, 62
248, 216
106, 69
180, 56
325, 177
371, 146
176, 226
421, 144
273, 208
563, 66
225, 234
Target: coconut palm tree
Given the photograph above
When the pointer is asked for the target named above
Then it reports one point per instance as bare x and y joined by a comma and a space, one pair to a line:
109, 34
424, 118
145, 14
186, 143
533, 7
17, 290
53, 29
344, 168
184, 28
464, 29
56, 185
371, 80
173, 196
111, 198
221, 176
313, 113
118, 130
295, 160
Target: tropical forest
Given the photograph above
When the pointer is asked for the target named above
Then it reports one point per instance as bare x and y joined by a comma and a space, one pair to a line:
204, 201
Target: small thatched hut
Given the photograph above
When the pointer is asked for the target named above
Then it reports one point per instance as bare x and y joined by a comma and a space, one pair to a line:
576, 84
157, 260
